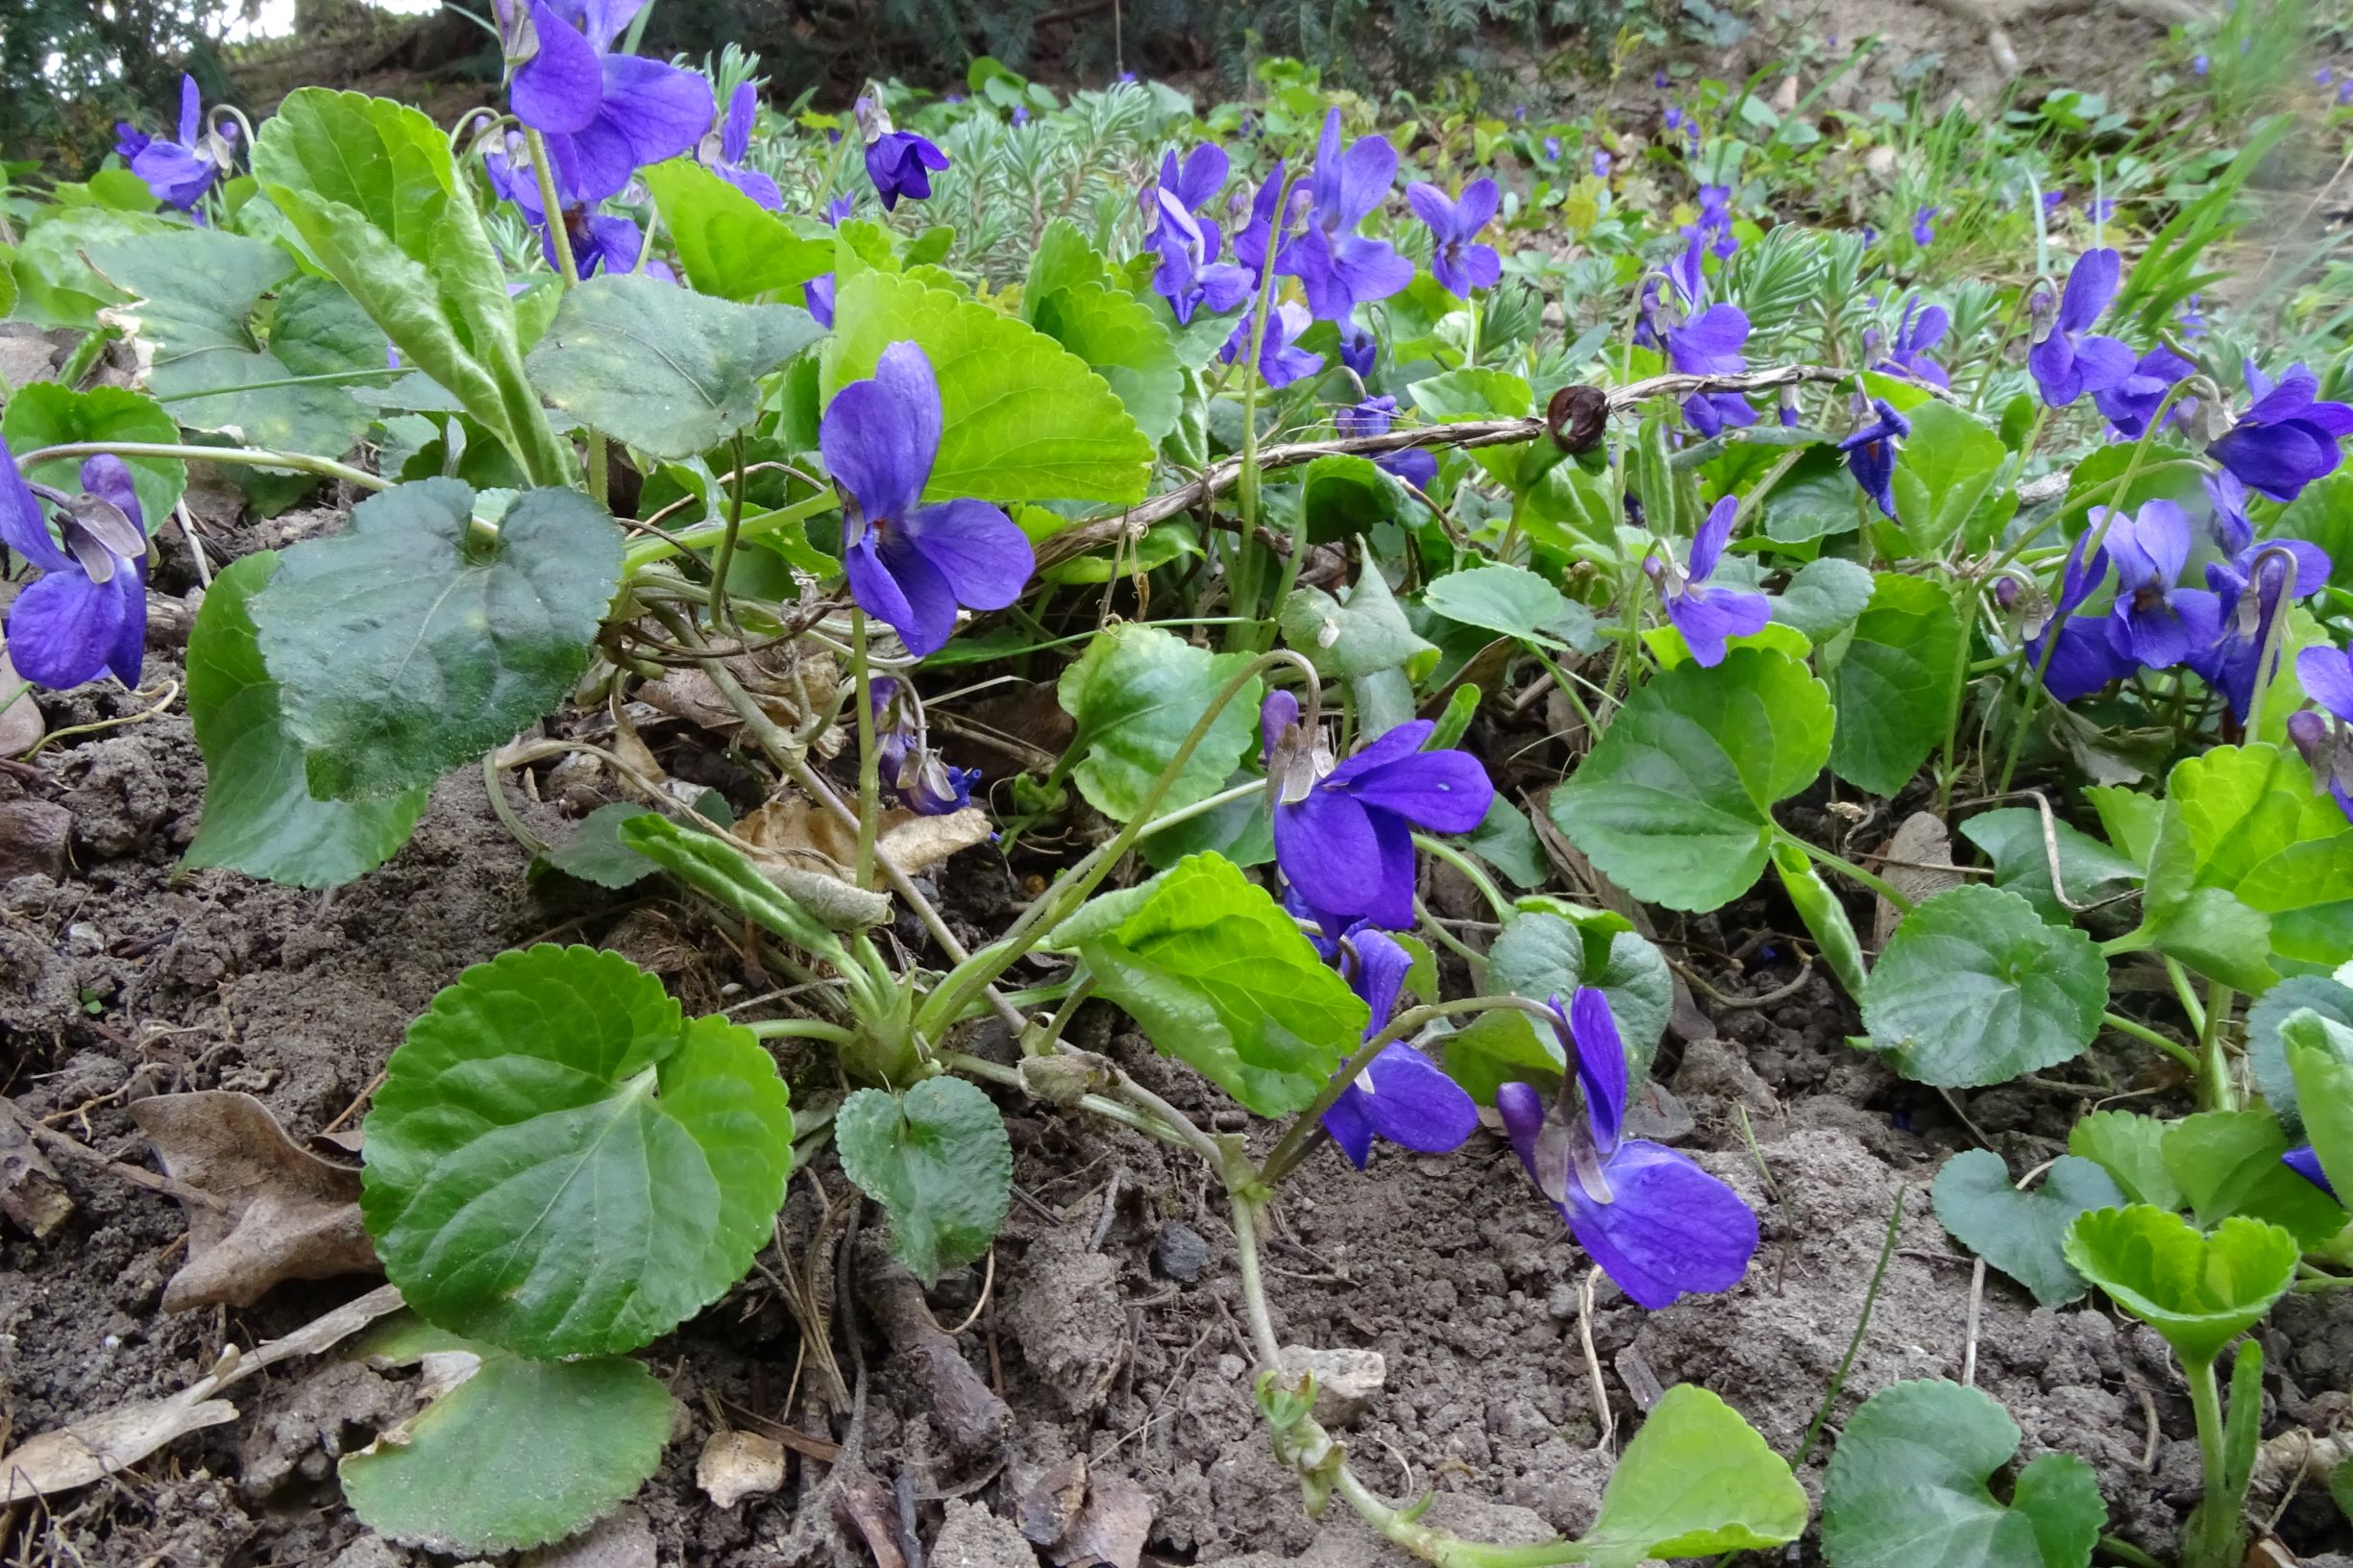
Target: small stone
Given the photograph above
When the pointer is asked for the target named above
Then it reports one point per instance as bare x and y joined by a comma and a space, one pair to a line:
1345, 1379
33, 838
739, 1464
1179, 1252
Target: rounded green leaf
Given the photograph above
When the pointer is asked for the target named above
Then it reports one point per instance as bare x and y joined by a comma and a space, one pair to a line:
2250, 821
2130, 1149
1023, 417
671, 372
1906, 1486
519, 1454
1974, 987
412, 640
1696, 1481
559, 1165
1135, 693
1824, 595
1509, 601
1676, 804
730, 245
2266, 1052
938, 1159
1541, 955
2200, 1292
2230, 1162
2022, 1234
49, 414
1123, 342
1946, 481
1893, 686
260, 814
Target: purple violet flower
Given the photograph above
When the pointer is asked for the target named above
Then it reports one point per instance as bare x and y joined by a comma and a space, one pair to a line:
2132, 402
2307, 1163
723, 150
2090, 652
2248, 592
178, 172
88, 612
1188, 277
1401, 1094
1358, 346
1552, 149
1871, 455
899, 162
1280, 362
1656, 1223
2288, 436
1924, 225
1457, 260
2069, 360
911, 770
1338, 268
605, 115
1709, 341
1602, 164
910, 564
1705, 614
2159, 622
1344, 835
2199, 64
817, 293
1417, 466
1921, 329
2326, 738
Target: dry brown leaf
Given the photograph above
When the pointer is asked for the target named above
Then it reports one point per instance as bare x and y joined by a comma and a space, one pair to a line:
21, 725
286, 1215
735, 1465
806, 836
83, 1451
1050, 1509
690, 695
1110, 1529
30, 1195
1917, 858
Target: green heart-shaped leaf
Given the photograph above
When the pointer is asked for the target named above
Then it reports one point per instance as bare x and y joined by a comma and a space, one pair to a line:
558, 1163
2267, 1054
1540, 955
1696, 1481
1893, 685
1135, 693
2022, 1234
2198, 1291
2130, 1149
938, 1161
1974, 987
2320, 1055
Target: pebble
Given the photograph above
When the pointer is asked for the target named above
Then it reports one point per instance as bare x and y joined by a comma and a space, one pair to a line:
1179, 1252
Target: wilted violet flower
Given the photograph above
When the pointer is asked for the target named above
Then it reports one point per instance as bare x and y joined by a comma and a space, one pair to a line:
723, 150
2069, 360
1344, 835
1401, 1094
920, 779
1703, 613
605, 115
1457, 260
1654, 1221
2326, 738
1871, 455
178, 172
1280, 362
2249, 591
899, 162
88, 612
911, 563
1417, 466
1336, 267
2288, 436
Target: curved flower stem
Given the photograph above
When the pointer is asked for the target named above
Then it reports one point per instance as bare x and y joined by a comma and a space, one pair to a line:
504, 810
256, 457
1471, 870
1243, 585
869, 761
996, 1072
1051, 907
644, 553
802, 1029
724, 556
1846, 867
1300, 1137
559, 240
2143, 1033
2214, 1077
1965, 612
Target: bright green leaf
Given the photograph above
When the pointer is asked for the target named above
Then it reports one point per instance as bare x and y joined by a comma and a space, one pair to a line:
938, 1161
410, 642
558, 1162
2198, 1291
1504, 1046
1893, 687
2131, 1148
260, 816
2247, 820
1906, 1486
1824, 915
1696, 1481
2227, 1163
1509, 601
1124, 343
1676, 803
1944, 480
1135, 693
670, 372
2022, 1234
1024, 419
2320, 1055
1221, 978
731, 247
1974, 989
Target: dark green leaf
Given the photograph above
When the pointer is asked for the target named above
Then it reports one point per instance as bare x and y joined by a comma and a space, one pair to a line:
1893, 684
2022, 1234
938, 1161
595, 853
1504, 840
558, 1163
1363, 637
2013, 838
1541, 955
670, 372
1504, 1046
1823, 597
1506, 600
411, 641
1974, 989
1944, 480
2131, 1148
260, 816
2265, 1053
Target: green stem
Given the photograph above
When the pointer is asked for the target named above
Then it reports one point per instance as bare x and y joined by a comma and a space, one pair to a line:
1503, 907
1046, 1043
1854, 1341
330, 377
2214, 1085
559, 240
726, 557
2124, 1551
1243, 583
2217, 1518
645, 552
1846, 867
1965, 606
2141, 1032
802, 1029
257, 456
870, 760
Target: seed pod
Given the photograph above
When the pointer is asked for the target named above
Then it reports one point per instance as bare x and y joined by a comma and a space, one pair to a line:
1576, 416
